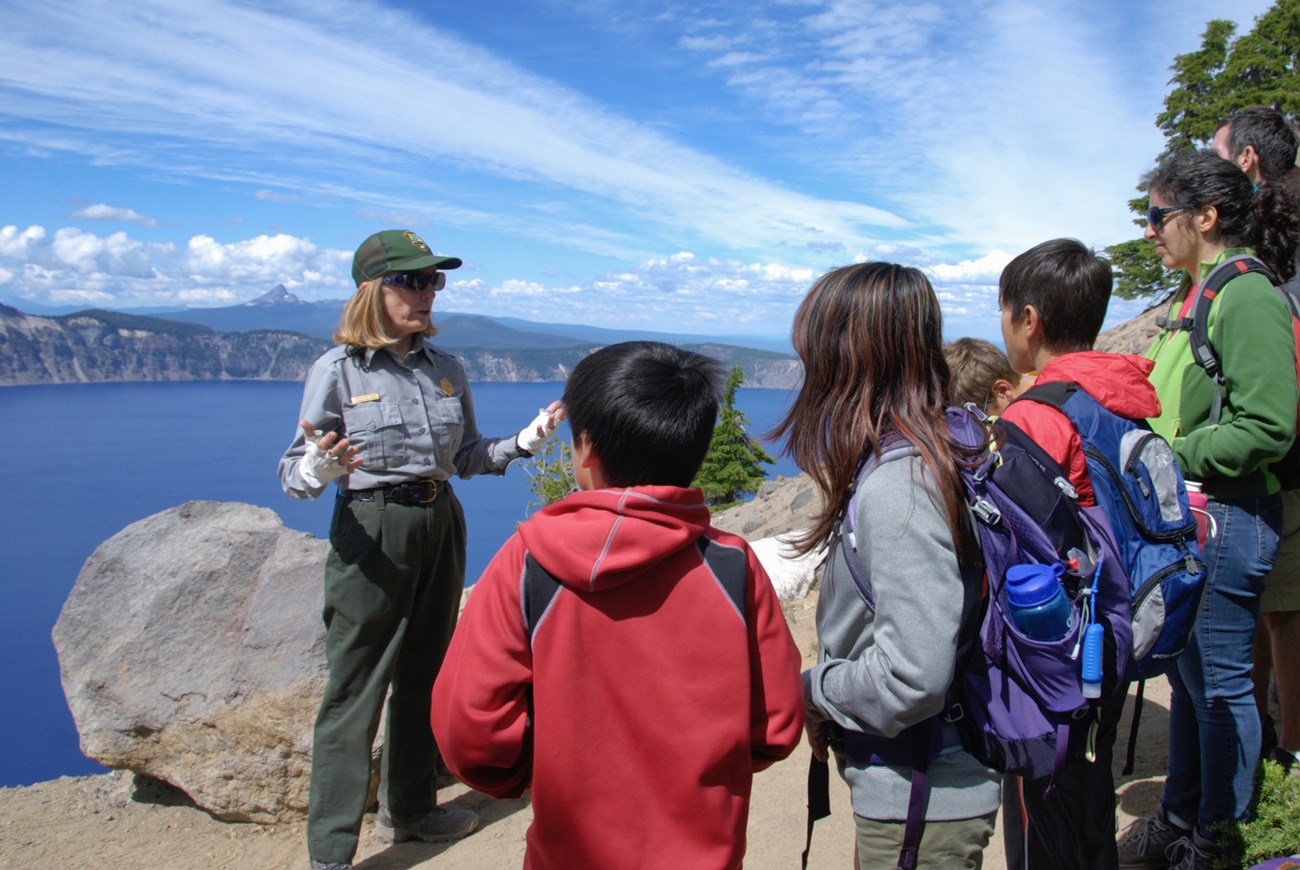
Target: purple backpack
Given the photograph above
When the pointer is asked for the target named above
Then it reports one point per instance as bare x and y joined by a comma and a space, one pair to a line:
1014, 699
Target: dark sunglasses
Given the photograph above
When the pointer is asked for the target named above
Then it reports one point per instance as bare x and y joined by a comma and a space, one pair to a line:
1156, 215
417, 282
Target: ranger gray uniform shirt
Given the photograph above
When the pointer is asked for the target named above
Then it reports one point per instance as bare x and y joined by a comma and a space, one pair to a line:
410, 419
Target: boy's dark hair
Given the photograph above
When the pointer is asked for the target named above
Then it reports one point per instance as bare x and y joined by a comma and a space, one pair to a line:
1070, 286
1273, 139
973, 365
647, 409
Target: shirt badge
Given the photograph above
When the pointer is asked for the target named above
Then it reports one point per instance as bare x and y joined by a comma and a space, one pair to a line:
368, 397
447, 388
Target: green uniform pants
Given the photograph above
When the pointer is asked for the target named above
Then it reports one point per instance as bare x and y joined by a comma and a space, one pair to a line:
393, 582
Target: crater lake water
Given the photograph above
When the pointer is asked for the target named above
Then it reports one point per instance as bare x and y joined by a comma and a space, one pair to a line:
83, 461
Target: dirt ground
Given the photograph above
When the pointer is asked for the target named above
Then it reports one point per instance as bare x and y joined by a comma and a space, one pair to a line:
114, 820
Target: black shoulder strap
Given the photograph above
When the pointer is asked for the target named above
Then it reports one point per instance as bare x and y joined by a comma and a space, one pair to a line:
1054, 393
538, 588
729, 565
1211, 285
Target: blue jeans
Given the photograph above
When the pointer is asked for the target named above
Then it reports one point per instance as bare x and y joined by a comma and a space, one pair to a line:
1213, 725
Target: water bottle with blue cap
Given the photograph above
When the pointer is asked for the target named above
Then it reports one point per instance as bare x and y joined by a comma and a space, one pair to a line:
1039, 606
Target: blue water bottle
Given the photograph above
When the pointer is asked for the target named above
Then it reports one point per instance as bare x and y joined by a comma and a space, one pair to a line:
1039, 606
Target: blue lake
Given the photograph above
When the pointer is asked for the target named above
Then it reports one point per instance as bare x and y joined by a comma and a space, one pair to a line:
85, 461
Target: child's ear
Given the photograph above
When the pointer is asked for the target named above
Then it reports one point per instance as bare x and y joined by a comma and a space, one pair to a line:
1031, 321
1003, 389
583, 451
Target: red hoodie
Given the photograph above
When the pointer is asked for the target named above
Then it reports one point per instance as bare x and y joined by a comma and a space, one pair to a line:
645, 702
1118, 381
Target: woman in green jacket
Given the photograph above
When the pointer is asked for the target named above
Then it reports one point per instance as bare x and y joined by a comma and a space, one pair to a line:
1204, 209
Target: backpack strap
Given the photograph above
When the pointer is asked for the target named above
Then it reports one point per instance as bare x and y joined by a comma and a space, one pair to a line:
1054, 393
893, 443
1211, 285
819, 801
538, 588
1133, 730
537, 591
729, 568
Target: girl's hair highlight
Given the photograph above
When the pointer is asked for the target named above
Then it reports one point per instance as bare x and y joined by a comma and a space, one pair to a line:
870, 338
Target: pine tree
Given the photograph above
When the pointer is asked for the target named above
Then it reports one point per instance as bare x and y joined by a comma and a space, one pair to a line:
1224, 75
550, 473
734, 464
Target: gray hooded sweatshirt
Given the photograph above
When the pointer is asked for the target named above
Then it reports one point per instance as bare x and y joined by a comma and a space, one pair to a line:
883, 670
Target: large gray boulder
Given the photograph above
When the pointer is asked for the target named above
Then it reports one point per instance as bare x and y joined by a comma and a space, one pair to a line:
192, 650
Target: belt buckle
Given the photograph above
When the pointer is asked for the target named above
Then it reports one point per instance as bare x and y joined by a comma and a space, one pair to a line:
433, 492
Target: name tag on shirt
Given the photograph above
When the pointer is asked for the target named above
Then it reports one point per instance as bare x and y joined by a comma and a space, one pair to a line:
368, 397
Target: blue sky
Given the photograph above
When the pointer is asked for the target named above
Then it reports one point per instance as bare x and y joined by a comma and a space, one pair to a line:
681, 167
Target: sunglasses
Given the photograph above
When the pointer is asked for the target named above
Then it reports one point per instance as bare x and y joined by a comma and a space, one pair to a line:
1156, 215
417, 282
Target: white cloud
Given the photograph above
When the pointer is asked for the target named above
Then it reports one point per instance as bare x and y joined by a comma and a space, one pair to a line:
680, 292
75, 267
272, 196
227, 81
101, 212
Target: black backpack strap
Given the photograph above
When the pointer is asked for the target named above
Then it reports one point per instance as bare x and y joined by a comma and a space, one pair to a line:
729, 567
1054, 393
1133, 730
537, 590
1210, 287
819, 801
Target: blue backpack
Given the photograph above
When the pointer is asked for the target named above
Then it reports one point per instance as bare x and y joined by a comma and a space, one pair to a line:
1138, 484
1140, 488
1014, 700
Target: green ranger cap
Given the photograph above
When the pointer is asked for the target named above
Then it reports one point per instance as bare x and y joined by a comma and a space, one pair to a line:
396, 251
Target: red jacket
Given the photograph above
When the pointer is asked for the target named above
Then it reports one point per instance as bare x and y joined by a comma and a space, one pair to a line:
645, 702
1117, 381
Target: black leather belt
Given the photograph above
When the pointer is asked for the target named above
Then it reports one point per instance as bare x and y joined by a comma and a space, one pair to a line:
411, 492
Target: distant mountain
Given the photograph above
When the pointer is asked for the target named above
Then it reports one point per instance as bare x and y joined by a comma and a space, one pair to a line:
277, 295
96, 345
279, 309
602, 336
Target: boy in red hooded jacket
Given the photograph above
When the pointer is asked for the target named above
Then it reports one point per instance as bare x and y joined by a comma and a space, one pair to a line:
1053, 299
620, 656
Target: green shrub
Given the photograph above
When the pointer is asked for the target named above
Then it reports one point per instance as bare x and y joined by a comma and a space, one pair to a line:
1274, 831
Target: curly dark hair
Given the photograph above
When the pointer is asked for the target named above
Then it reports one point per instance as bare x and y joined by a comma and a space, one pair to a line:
1264, 219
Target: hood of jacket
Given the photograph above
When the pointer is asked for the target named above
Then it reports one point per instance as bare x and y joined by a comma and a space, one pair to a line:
1117, 381
603, 538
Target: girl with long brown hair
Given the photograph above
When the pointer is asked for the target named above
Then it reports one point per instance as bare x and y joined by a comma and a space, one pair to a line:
875, 383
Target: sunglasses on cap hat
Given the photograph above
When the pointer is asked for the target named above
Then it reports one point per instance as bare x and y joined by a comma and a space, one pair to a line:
1156, 214
416, 282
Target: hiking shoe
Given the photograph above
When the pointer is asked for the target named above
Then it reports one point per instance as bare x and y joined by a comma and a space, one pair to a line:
438, 826
1144, 843
330, 865
1191, 853
1286, 758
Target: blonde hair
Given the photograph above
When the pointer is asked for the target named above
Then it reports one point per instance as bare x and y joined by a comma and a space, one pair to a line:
974, 364
362, 322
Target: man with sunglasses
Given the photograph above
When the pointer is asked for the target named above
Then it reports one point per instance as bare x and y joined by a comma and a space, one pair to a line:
1260, 141
391, 419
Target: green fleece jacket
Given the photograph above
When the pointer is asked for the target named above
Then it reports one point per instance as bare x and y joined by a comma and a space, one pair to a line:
1250, 331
